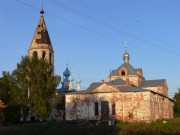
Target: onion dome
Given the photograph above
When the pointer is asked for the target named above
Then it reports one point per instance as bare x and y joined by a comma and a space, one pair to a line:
70, 78
67, 72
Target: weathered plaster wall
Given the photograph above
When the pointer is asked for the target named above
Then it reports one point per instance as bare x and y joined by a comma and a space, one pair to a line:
161, 107
132, 106
129, 106
159, 90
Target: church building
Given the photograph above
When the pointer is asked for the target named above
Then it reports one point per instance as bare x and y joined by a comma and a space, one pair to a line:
127, 96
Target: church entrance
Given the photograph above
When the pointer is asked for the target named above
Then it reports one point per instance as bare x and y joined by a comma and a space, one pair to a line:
104, 110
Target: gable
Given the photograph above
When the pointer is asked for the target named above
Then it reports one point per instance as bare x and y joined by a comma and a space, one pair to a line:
105, 88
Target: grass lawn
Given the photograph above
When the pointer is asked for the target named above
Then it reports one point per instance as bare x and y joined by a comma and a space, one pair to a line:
172, 127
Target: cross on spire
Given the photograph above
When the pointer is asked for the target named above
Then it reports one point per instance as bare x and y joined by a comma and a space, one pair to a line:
67, 62
42, 11
125, 42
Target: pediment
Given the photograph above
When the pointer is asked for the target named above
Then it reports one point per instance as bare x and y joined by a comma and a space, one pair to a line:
105, 88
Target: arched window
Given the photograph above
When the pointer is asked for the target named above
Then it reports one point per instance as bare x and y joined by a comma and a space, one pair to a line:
123, 73
35, 54
43, 55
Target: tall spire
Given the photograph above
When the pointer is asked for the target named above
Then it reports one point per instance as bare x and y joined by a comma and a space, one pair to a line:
41, 46
41, 35
126, 54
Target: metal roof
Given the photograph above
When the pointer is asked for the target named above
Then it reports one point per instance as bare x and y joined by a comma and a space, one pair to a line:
138, 69
118, 81
93, 86
153, 83
146, 83
41, 37
128, 67
131, 89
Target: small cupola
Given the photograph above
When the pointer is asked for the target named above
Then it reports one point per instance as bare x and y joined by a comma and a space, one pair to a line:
126, 54
126, 57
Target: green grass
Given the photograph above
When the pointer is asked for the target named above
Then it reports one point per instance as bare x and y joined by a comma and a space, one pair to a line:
172, 127
155, 128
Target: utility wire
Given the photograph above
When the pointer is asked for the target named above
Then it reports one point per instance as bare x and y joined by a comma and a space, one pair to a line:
111, 27
95, 32
128, 26
72, 23
153, 53
23, 3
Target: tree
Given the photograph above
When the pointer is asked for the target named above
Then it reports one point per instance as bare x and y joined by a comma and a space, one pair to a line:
9, 113
35, 87
5, 82
177, 101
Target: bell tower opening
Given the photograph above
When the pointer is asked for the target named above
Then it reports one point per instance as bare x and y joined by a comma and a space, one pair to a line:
35, 54
43, 55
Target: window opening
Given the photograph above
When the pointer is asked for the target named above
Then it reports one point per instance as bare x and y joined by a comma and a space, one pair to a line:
35, 54
113, 109
123, 73
44, 55
96, 108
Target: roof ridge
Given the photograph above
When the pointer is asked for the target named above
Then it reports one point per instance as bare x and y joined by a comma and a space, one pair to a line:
154, 80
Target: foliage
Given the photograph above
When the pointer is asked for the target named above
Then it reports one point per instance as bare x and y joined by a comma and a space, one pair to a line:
35, 86
177, 102
30, 87
6, 82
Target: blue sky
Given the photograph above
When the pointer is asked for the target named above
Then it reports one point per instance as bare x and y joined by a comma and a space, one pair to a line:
90, 35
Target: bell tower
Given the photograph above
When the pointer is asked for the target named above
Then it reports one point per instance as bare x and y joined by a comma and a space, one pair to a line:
41, 46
